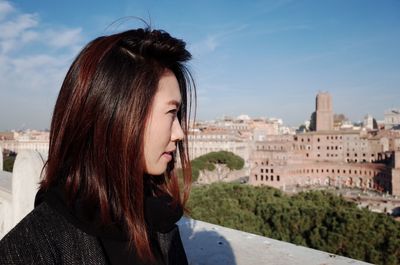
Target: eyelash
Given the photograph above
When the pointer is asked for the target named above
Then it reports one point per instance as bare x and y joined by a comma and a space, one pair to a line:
173, 111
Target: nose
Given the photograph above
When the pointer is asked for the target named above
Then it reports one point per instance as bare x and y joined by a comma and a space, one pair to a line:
177, 132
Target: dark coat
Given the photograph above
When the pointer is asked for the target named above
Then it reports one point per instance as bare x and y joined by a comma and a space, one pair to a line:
45, 236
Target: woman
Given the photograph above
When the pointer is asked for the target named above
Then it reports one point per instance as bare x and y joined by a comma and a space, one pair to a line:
109, 194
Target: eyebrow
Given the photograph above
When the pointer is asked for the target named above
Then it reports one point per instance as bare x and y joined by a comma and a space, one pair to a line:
174, 102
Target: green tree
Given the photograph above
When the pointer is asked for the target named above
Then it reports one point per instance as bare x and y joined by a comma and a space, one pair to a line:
316, 219
208, 161
8, 163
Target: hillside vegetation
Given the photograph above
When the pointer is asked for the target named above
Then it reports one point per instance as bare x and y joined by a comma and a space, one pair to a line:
316, 219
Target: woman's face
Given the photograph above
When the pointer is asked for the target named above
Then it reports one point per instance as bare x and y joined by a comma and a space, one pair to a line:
163, 129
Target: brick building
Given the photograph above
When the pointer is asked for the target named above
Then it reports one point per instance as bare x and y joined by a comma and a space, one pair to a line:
327, 157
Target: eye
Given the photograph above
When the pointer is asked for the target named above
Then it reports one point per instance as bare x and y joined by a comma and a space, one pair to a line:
173, 112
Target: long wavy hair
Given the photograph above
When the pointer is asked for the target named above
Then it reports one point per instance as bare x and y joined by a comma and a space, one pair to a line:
97, 129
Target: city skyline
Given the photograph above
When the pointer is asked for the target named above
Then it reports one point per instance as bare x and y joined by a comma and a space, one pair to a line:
263, 59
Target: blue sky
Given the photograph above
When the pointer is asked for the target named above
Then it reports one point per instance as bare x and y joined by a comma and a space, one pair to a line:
261, 58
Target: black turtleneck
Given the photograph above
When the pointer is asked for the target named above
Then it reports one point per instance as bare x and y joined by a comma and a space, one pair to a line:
160, 218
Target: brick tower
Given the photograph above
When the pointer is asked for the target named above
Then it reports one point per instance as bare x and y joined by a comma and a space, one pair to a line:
396, 174
324, 112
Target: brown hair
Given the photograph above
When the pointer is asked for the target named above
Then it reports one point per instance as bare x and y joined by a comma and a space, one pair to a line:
96, 136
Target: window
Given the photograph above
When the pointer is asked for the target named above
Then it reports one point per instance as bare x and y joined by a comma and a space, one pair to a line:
256, 176
262, 170
272, 170
278, 178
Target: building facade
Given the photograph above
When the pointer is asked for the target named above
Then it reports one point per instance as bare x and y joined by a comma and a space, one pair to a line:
392, 119
329, 158
26, 140
363, 158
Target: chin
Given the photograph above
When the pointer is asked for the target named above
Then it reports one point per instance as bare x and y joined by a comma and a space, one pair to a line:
157, 171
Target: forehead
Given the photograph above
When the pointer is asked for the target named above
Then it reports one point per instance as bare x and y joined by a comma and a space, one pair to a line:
168, 91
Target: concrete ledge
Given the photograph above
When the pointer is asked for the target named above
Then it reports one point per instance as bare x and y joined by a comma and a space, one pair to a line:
208, 244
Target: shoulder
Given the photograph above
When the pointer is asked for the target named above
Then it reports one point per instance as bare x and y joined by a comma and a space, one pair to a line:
46, 237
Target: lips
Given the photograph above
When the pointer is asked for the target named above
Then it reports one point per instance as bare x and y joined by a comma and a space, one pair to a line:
167, 155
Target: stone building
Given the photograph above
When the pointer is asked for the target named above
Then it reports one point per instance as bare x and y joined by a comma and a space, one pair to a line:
26, 140
209, 140
327, 157
232, 135
392, 119
323, 158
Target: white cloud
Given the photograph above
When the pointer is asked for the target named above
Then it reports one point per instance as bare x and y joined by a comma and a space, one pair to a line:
64, 38
211, 42
30, 52
14, 28
29, 36
5, 9
34, 58
16, 32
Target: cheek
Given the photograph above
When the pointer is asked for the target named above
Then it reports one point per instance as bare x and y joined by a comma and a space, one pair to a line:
159, 136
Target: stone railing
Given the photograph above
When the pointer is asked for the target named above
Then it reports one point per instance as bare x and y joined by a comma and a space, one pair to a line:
205, 243
209, 244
